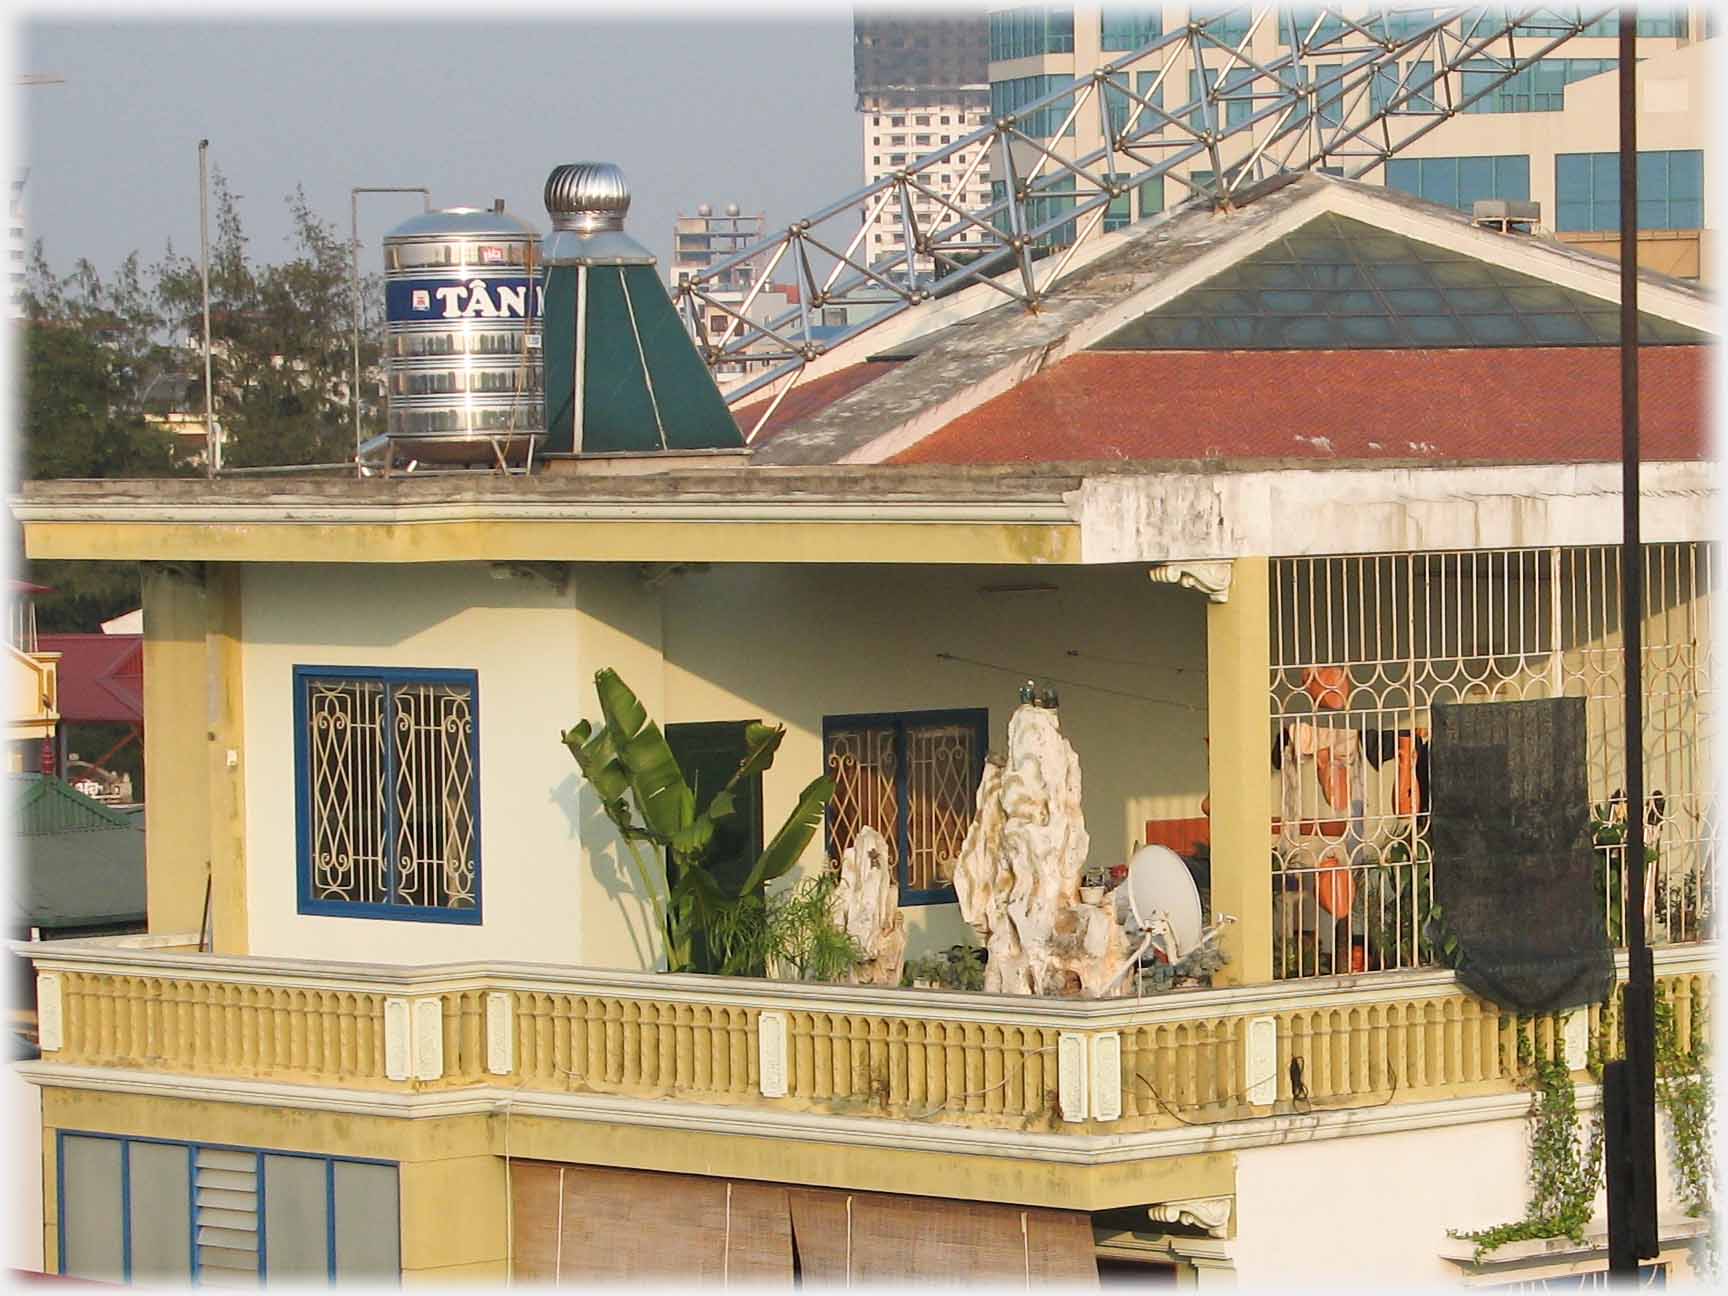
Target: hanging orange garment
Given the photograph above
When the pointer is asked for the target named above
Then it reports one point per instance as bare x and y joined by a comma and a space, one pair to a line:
1334, 778
1327, 685
1407, 798
1335, 889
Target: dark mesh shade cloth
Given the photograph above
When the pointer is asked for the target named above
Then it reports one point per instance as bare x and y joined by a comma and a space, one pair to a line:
576, 1224
1514, 865
886, 1238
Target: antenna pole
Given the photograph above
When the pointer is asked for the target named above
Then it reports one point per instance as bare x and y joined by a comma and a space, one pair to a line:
212, 439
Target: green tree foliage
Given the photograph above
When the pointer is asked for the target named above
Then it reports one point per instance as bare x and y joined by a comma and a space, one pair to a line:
282, 361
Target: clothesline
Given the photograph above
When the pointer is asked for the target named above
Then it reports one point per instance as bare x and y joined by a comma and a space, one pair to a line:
1069, 683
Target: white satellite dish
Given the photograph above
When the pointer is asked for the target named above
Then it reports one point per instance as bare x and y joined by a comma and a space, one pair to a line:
1159, 883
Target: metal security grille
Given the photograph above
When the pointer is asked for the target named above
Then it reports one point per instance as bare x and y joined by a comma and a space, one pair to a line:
862, 763
1362, 647
912, 778
388, 787
941, 789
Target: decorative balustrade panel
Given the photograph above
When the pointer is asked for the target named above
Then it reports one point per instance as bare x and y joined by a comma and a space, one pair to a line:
1183, 1059
205, 1027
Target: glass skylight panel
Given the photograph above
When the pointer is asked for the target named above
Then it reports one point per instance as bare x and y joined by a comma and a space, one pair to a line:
1340, 284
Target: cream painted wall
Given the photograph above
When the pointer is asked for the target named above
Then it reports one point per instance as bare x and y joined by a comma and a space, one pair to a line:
542, 898
797, 643
23, 1107
785, 644
1373, 1211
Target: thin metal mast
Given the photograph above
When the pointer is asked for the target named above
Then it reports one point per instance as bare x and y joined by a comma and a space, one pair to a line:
1630, 1084
212, 441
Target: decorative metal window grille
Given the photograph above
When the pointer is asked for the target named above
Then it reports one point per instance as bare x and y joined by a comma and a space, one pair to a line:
1362, 647
388, 793
914, 779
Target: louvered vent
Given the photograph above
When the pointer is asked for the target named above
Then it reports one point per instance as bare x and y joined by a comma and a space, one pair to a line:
226, 1199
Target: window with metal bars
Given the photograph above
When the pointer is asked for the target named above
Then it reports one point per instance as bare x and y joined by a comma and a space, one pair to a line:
913, 777
1364, 647
387, 786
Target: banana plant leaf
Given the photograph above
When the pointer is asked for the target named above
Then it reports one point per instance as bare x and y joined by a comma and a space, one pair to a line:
788, 845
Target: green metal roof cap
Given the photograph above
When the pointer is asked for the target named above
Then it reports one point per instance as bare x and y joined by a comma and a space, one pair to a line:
622, 373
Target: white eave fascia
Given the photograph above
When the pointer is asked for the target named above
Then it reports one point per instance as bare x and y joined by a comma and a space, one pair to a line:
1322, 511
1375, 1116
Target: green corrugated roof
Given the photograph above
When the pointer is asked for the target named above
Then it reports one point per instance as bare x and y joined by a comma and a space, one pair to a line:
45, 804
80, 863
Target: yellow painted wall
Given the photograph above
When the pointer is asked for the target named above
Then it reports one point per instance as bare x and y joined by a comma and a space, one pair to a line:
176, 700
529, 643
796, 643
787, 644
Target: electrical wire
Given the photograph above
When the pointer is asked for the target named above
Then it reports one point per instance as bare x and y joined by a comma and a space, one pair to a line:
1070, 683
1299, 1093
1136, 665
978, 1093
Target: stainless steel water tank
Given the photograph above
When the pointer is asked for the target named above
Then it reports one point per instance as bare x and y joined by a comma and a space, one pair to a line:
462, 291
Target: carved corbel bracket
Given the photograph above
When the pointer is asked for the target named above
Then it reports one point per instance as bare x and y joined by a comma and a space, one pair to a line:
1209, 1213
1210, 578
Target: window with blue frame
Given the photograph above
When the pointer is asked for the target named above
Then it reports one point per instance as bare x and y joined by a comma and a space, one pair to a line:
1540, 87
1151, 197
913, 777
1328, 81
1235, 103
1121, 108
1305, 26
1013, 94
1413, 87
163, 1211
1120, 213
1670, 190
1670, 23
1402, 24
387, 793
1128, 27
1461, 181
1228, 25
1031, 31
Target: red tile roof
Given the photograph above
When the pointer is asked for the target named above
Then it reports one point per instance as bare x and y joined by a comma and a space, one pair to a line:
809, 397
1495, 405
101, 677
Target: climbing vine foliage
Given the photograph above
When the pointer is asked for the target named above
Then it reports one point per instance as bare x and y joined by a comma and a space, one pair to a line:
1566, 1169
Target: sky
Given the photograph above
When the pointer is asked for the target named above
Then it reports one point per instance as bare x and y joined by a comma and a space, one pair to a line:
753, 108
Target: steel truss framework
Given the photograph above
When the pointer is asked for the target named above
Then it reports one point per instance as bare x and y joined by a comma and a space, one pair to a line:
1390, 79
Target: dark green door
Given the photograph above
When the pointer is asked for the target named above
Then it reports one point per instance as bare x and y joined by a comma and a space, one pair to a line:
709, 754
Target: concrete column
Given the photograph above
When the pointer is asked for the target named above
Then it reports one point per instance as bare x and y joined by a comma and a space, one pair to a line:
177, 846
1239, 720
226, 752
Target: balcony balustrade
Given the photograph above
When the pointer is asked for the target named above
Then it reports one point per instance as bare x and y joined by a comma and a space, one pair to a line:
974, 1060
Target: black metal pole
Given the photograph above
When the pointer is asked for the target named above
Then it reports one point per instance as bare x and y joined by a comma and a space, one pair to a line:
1629, 1091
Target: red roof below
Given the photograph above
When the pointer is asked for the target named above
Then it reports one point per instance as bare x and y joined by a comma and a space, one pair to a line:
1494, 405
807, 398
101, 677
